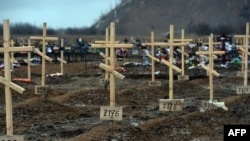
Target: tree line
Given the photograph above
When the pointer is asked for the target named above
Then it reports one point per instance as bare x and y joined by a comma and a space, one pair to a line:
28, 29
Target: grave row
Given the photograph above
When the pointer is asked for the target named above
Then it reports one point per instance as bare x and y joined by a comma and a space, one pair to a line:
112, 112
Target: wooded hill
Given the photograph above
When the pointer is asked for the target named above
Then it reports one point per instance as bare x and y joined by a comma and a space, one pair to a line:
202, 17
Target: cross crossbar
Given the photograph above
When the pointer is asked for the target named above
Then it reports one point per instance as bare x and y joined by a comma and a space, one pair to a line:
108, 68
166, 63
42, 38
105, 42
108, 45
17, 49
12, 85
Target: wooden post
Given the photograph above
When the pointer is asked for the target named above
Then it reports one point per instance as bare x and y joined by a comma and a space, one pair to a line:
245, 89
153, 82
106, 52
208, 43
171, 74
211, 72
29, 58
243, 54
183, 54
28, 62
12, 58
44, 39
7, 78
111, 69
240, 44
105, 81
61, 59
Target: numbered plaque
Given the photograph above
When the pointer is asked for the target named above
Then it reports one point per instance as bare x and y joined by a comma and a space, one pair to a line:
207, 105
240, 74
171, 104
243, 89
110, 113
12, 138
183, 77
154, 83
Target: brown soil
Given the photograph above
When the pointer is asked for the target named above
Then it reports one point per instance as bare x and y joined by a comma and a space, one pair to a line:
71, 111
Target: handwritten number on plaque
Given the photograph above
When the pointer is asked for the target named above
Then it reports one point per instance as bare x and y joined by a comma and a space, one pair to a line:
111, 113
171, 105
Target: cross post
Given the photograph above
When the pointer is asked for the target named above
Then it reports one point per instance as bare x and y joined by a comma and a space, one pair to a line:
12, 59
61, 59
106, 55
183, 54
240, 44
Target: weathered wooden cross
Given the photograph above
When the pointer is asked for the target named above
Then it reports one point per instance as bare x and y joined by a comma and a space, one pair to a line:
245, 89
209, 104
183, 54
7, 81
12, 58
29, 57
214, 55
61, 59
105, 81
43, 54
240, 44
105, 112
168, 104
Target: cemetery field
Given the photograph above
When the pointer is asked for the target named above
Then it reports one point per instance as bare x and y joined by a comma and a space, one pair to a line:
71, 109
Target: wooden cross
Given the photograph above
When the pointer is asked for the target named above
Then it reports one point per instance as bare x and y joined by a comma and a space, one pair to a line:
183, 54
12, 59
169, 63
44, 39
210, 68
243, 53
111, 69
153, 59
167, 104
28, 62
61, 59
7, 75
106, 55
29, 57
245, 89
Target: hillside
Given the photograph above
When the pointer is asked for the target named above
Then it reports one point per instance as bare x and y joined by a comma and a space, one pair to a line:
135, 17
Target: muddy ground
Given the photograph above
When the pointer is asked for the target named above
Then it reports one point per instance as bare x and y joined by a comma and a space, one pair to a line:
71, 111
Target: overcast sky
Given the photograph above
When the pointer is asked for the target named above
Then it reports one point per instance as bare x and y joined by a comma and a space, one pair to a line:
56, 13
